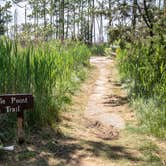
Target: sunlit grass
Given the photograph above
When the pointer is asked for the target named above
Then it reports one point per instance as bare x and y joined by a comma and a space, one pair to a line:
142, 67
47, 70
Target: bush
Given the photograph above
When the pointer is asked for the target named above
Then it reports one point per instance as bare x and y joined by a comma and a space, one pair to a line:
143, 65
98, 49
151, 117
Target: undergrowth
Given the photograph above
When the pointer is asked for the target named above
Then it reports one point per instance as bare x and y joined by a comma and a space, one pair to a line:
98, 49
142, 66
50, 71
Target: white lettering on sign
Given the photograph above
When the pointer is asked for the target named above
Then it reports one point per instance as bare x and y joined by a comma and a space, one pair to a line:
19, 101
2, 101
10, 109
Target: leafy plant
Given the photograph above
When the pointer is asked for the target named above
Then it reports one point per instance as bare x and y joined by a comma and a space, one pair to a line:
143, 66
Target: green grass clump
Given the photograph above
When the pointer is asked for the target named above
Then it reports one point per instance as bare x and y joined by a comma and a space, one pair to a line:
150, 152
152, 118
47, 70
25, 155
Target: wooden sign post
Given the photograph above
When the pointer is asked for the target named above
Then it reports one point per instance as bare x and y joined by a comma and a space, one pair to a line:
17, 103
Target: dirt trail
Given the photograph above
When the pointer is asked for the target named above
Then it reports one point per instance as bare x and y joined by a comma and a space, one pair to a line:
103, 125
101, 102
99, 129
98, 117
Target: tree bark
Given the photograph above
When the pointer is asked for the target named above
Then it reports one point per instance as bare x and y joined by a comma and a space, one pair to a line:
165, 7
67, 22
92, 21
44, 13
134, 15
109, 13
74, 15
61, 20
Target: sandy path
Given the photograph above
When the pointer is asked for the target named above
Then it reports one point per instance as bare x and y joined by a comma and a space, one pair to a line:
99, 116
98, 108
99, 129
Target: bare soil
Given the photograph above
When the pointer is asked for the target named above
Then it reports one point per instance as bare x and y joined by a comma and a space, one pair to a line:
99, 129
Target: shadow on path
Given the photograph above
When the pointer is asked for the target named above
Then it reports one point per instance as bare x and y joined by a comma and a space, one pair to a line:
115, 100
70, 151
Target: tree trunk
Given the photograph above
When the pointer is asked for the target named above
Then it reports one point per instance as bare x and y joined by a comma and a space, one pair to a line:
87, 31
61, 20
92, 21
109, 13
134, 15
74, 29
25, 15
15, 25
52, 8
82, 10
101, 25
165, 7
67, 23
44, 13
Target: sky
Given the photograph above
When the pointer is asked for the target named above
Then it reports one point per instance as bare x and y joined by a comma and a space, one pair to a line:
21, 17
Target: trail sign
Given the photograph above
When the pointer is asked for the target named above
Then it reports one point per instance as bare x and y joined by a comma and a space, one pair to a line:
17, 103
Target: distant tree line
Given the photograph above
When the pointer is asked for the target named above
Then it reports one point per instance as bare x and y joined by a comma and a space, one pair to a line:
79, 19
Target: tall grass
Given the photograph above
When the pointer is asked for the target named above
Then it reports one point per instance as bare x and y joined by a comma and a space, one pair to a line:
48, 70
151, 117
143, 66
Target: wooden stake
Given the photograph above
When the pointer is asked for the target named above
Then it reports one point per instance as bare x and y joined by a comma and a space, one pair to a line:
20, 125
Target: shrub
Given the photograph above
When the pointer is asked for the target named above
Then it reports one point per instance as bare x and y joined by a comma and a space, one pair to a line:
98, 49
143, 65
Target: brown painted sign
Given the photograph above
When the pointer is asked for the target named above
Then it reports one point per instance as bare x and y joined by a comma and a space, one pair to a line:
15, 102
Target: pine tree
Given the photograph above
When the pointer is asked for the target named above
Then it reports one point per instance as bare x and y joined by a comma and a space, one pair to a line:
5, 17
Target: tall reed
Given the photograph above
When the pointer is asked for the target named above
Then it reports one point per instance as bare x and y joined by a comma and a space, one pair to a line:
47, 70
